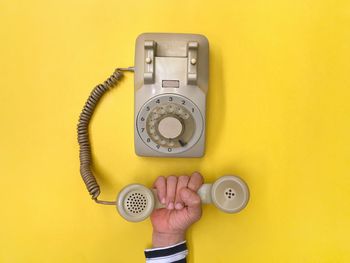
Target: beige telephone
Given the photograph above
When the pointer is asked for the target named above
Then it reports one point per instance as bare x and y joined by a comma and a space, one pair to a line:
171, 83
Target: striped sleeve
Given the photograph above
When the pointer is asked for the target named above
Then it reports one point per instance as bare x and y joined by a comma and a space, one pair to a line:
173, 254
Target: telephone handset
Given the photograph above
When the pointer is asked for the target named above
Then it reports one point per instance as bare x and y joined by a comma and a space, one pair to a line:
171, 83
229, 193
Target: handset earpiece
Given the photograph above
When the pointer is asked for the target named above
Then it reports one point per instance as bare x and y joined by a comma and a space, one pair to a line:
135, 202
229, 193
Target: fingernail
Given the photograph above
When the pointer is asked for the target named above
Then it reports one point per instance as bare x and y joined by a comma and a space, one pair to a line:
178, 206
171, 206
163, 201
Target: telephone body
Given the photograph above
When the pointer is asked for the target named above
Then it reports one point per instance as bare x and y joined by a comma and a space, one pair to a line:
171, 85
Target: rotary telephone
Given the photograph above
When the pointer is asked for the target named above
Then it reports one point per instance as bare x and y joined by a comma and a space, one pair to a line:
171, 85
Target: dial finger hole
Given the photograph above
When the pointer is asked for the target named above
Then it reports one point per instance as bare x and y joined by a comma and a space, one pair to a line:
170, 108
155, 116
152, 130
162, 110
179, 111
185, 116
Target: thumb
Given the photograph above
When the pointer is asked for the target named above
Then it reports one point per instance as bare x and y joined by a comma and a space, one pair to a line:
193, 203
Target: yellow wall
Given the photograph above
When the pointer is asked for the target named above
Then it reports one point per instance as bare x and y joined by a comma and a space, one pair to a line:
278, 116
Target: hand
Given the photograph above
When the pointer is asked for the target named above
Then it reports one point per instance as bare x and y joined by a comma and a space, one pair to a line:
182, 208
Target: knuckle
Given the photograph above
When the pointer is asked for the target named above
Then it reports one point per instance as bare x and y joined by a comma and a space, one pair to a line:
200, 178
197, 174
171, 178
198, 215
183, 178
160, 179
191, 184
196, 200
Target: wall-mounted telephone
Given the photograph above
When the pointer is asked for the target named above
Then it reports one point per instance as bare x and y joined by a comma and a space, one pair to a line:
171, 83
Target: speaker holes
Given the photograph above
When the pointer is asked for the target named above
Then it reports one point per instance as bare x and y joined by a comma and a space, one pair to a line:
136, 202
229, 193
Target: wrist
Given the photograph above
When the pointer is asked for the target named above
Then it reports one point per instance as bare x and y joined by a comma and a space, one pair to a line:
166, 239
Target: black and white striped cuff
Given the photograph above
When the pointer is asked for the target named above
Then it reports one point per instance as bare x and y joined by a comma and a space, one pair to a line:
173, 254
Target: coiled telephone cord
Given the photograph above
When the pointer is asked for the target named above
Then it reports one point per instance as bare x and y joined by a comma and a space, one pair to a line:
83, 133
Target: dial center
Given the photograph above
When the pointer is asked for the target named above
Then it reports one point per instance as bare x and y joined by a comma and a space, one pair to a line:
170, 127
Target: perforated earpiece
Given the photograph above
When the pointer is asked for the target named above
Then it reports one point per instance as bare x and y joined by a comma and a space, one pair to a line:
135, 202
229, 193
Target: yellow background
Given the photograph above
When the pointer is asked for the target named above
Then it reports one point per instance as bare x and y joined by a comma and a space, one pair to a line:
278, 116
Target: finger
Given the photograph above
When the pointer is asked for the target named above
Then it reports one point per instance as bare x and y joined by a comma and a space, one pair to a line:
196, 180
160, 185
171, 183
181, 183
193, 203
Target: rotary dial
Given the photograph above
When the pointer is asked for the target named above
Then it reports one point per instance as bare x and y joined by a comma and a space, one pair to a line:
169, 123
